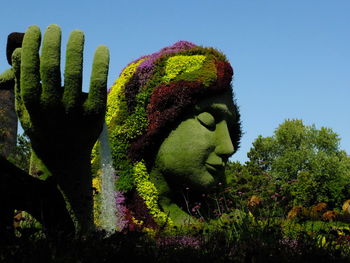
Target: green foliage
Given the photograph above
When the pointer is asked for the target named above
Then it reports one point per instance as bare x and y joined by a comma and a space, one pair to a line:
243, 184
327, 180
304, 164
234, 239
7, 79
120, 135
235, 236
21, 155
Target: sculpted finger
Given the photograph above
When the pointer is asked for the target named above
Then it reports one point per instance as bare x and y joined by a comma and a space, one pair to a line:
50, 66
96, 101
7, 78
16, 66
14, 40
30, 75
21, 110
74, 70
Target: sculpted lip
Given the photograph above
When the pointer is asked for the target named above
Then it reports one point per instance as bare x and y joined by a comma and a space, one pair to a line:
215, 168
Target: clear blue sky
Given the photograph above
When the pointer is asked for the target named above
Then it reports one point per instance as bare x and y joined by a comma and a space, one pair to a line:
291, 58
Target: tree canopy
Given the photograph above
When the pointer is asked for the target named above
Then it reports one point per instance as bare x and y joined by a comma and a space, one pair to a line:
303, 164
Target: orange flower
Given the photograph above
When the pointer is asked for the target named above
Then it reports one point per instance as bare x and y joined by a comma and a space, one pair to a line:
320, 207
254, 201
330, 216
297, 212
317, 210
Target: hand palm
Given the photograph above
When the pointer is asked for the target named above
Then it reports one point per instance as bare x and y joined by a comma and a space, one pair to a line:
60, 121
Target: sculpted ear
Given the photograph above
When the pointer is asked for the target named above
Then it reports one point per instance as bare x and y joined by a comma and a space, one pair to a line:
14, 40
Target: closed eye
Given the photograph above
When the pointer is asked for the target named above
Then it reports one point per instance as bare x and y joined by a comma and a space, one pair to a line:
207, 120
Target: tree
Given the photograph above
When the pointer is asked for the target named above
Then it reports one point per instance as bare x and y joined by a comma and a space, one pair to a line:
306, 164
21, 154
243, 184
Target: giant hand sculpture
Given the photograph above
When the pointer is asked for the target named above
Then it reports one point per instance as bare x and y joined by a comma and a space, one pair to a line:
62, 122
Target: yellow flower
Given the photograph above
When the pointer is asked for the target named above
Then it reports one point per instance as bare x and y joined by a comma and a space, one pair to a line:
182, 64
149, 193
346, 207
96, 184
137, 222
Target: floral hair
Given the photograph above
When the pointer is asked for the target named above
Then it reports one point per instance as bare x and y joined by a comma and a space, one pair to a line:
152, 94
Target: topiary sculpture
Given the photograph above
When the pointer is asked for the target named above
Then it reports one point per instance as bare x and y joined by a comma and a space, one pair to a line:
172, 124
62, 122
171, 119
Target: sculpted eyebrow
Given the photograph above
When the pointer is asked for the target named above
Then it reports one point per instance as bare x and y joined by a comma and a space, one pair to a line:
227, 112
218, 110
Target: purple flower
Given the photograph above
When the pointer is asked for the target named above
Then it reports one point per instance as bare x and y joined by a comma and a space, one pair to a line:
146, 68
119, 197
182, 241
121, 210
291, 243
196, 207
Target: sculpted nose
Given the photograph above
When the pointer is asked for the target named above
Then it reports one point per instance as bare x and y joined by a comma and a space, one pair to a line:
224, 146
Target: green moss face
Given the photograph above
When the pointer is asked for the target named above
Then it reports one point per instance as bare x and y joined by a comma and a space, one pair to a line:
196, 151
